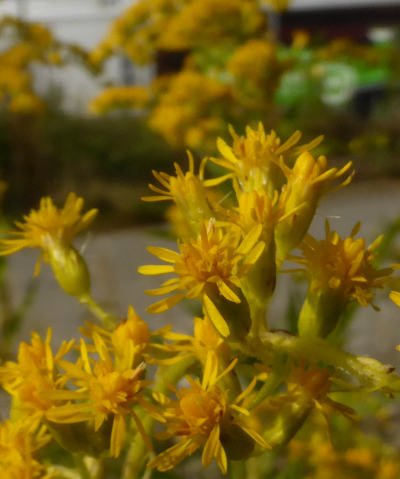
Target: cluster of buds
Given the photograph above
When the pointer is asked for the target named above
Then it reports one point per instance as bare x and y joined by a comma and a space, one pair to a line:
248, 389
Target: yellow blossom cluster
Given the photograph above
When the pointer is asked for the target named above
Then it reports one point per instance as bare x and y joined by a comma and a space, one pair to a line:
146, 27
364, 459
113, 98
234, 389
191, 110
31, 44
19, 442
231, 68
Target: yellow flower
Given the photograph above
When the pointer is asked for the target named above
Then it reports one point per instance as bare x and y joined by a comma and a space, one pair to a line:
188, 191
109, 388
205, 345
131, 332
307, 182
35, 375
255, 158
209, 267
202, 416
340, 270
52, 230
312, 384
190, 110
134, 329
343, 264
49, 224
114, 98
19, 441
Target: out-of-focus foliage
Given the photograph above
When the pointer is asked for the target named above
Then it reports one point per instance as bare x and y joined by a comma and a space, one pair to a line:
109, 158
234, 70
231, 66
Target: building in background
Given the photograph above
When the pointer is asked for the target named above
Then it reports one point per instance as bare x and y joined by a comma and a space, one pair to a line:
85, 22
82, 22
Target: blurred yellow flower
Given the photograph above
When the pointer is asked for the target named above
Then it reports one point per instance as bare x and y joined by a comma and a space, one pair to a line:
19, 442
114, 98
35, 375
52, 230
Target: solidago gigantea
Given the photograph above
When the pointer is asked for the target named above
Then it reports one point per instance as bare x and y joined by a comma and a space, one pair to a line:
188, 191
32, 379
254, 159
202, 416
209, 268
20, 442
246, 388
307, 181
106, 389
340, 271
52, 230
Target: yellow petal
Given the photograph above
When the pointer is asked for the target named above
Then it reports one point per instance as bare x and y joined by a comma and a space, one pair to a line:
171, 457
151, 269
117, 435
395, 297
226, 151
164, 254
250, 240
227, 293
215, 316
165, 304
211, 447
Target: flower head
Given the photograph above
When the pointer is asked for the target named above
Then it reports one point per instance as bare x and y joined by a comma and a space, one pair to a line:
188, 191
307, 182
19, 441
31, 380
52, 230
106, 388
203, 416
49, 224
344, 265
209, 267
254, 159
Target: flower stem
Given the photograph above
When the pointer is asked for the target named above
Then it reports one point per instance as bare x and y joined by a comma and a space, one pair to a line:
237, 470
137, 452
81, 466
370, 372
108, 320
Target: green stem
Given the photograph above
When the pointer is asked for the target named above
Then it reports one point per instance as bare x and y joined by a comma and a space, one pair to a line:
108, 320
138, 451
370, 372
81, 466
237, 470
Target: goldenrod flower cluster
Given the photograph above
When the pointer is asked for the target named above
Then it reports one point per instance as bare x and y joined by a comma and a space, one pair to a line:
231, 68
112, 98
233, 390
30, 44
364, 458
146, 27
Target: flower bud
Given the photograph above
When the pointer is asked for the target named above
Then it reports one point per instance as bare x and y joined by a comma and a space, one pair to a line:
131, 329
70, 269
